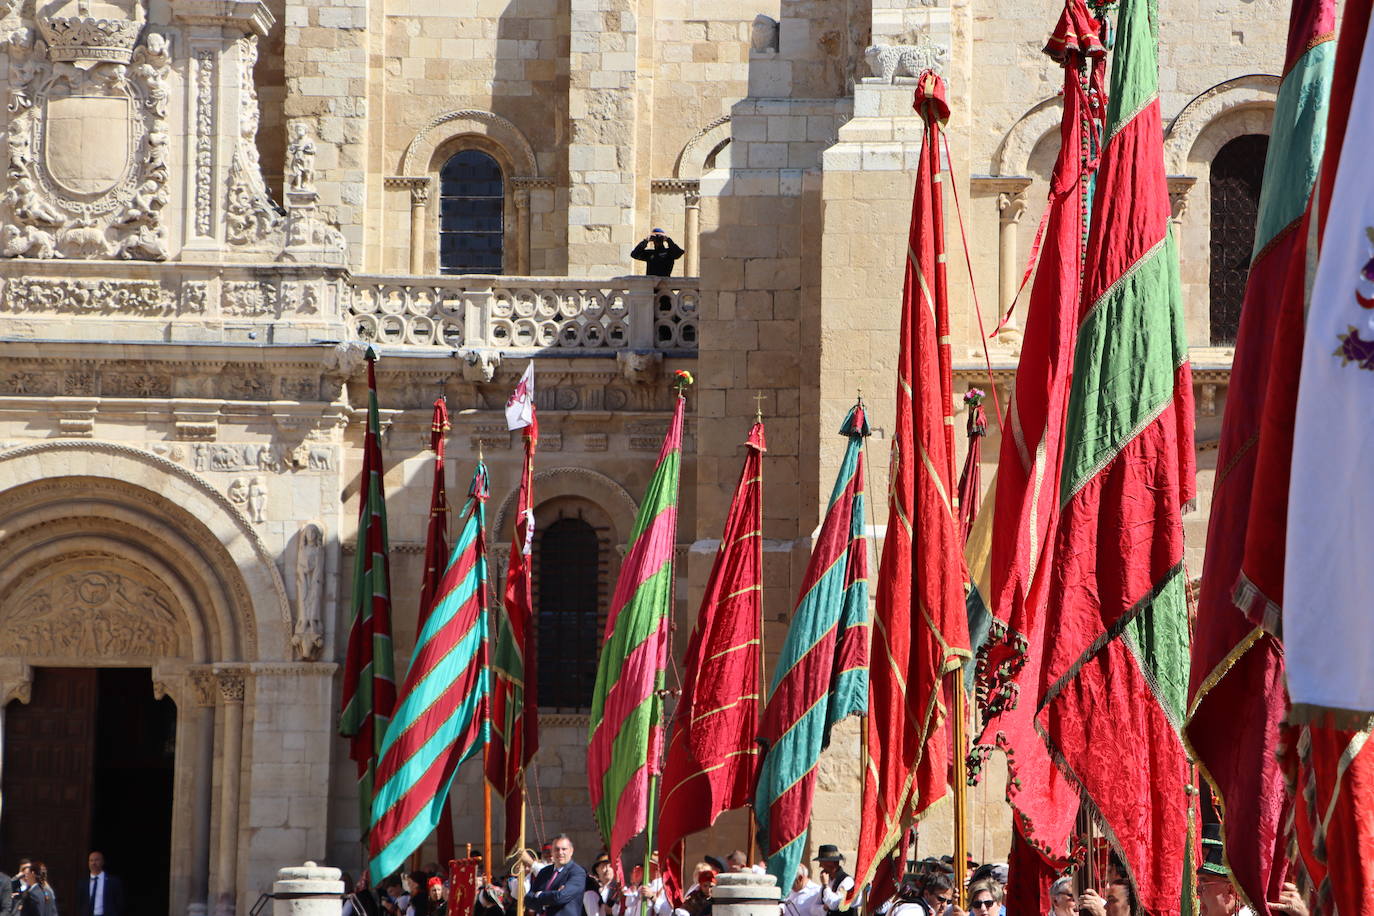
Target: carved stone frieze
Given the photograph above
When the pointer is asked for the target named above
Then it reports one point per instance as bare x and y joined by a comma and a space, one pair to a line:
80, 608
25, 382
491, 436
230, 682
87, 169
251, 457
204, 63
251, 298
108, 296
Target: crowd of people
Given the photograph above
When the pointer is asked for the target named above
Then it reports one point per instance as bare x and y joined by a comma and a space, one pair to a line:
31, 894
556, 885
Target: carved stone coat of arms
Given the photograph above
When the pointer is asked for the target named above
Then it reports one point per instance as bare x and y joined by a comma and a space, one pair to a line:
88, 137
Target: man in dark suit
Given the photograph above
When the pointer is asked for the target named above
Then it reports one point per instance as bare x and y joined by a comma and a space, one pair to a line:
557, 889
101, 893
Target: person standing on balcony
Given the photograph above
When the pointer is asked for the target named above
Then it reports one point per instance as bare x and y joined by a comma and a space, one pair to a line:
658, 252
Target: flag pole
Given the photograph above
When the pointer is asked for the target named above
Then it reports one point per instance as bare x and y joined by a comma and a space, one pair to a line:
960, 788
519, 869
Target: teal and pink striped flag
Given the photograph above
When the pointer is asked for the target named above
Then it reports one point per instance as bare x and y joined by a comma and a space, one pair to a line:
822, 673
626, 732
441, 718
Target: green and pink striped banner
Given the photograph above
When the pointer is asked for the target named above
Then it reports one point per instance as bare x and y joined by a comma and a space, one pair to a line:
626, 726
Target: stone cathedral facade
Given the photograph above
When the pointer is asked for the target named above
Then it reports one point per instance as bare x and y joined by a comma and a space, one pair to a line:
210, 208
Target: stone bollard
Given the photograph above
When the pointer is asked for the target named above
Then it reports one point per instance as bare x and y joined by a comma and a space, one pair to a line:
307, 890
745, 894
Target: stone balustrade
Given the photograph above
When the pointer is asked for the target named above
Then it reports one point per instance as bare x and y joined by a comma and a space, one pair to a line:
300, 304
524, 313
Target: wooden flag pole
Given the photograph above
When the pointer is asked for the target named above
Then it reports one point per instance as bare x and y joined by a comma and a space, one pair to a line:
519, 867
960, 791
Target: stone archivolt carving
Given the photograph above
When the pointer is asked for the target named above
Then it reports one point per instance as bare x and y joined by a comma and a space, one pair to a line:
88, 136
86, 612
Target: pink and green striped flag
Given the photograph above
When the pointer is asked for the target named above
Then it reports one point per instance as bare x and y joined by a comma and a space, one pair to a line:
369, 679
441, 719
626, 735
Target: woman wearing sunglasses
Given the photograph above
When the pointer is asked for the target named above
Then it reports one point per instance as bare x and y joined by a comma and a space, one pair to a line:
985, 898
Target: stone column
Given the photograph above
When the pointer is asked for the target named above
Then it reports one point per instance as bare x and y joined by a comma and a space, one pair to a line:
522, 232
1179, 186
202, 746
1011, 206
745, 894
307, 890
419, 198
230, 683
691, 197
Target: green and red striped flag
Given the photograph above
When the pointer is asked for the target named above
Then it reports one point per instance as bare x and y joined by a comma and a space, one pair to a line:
514, 703
822, 673
441, 719
1117, 663
369, 678
712, 751
436, 557
626, 733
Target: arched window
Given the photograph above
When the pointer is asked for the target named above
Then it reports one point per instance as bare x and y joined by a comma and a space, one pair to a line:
472, 207
1237, 172
569, 591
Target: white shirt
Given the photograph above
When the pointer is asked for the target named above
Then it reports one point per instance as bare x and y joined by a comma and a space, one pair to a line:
98, 892
798, 903
832, 900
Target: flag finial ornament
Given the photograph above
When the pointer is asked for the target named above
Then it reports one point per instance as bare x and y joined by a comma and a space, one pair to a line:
930, 100
681, 379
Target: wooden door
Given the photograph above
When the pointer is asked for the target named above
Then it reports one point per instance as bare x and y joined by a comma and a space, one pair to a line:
48, 769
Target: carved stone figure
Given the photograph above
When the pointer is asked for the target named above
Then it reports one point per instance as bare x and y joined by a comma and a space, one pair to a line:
300, 157
238, 491
480, 367
638, 367
892, 61
307, 636
763, 36
257, 499
29, 241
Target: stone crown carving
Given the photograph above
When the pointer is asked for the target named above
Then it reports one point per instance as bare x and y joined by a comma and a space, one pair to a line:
80, 38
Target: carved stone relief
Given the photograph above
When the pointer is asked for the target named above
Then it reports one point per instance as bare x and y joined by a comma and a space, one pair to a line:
85, 612
50, 294
88, 137
891, 61
253, 457
307, 634
252, 216
205, 142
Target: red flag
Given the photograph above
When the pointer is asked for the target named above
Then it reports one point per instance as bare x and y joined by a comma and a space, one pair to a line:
970, 480
1026, 506
1237, 695
712, 753
515, 699
920, 630
436, 561
1333, 767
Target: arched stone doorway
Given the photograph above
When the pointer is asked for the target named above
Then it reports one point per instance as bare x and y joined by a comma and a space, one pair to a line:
112, 558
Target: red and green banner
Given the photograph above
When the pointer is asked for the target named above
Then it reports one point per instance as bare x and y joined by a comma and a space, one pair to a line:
822, 674
1237, 664
514, 699
1025, 507
441, 717
920, 629
712, 753
626, 734
369, 680
1116, 650
436, 557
